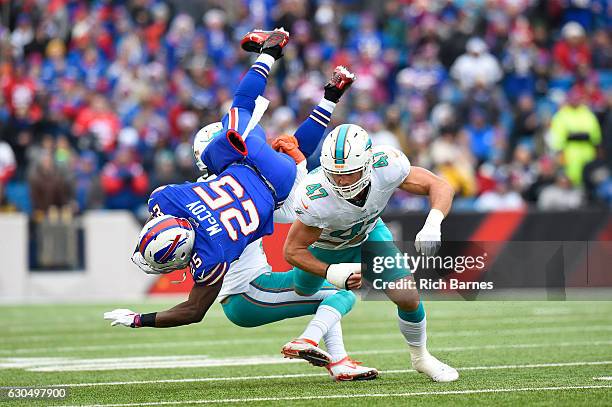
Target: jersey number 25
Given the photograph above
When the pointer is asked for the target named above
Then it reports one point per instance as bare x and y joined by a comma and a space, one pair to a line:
224, 199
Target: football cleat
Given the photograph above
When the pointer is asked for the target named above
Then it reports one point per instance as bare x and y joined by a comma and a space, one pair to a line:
340, 81
347, 369
436, 370
272, 41
308, 350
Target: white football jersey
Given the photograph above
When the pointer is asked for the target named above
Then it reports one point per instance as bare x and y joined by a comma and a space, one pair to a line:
251, 264
344, 224
253, 261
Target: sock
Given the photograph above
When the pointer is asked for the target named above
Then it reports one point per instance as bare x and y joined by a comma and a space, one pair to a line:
311, 131
413, 325
253, 84
263, 65
335, 343
324, 319
342, 301
412, 316
267, 60
328, 105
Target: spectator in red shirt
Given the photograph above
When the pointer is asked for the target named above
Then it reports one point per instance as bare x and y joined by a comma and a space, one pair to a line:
19, 93
124, 182
572, 51
589, 90
100, 122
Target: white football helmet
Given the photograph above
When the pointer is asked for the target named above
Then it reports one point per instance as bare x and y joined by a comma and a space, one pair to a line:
347, 149
165, 244
202, 139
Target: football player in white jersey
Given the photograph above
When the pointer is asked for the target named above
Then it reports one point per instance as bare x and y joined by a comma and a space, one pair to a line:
252, 295
338, 207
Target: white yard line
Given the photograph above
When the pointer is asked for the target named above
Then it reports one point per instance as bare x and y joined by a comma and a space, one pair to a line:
603, 378
439, 334
354, 396
299, 375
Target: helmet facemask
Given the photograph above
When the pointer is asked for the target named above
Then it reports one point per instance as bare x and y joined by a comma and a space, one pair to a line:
350, 191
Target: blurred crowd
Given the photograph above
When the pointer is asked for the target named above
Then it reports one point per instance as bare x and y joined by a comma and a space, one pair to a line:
509, 100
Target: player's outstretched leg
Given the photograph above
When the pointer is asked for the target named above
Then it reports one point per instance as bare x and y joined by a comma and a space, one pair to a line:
326, 325
328, 313
413, 325
343, 368
309, 134
243, 110
411, 313
260, 305
311, 131
270, 45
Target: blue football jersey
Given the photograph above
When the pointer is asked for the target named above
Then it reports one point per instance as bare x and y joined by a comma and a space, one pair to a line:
278, 169
227, 214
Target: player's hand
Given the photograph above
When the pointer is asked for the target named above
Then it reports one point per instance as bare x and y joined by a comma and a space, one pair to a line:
428, 240
288, 145
354, 281
123, 317
345, 276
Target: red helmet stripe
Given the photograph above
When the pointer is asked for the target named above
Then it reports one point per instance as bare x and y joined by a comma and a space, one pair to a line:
158, 228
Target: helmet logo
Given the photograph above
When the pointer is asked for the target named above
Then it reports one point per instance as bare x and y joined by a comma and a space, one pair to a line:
171, 249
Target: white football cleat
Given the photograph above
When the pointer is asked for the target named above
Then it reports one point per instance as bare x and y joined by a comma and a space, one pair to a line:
346, 370
432, 367
308, 350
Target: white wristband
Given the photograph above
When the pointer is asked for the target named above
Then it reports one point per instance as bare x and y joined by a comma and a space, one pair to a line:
435, 217
338, 274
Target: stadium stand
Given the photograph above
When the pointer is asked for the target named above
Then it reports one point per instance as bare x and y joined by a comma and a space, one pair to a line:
106, 95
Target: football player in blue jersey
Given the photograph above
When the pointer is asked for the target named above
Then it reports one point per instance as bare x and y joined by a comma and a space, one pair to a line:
212, 224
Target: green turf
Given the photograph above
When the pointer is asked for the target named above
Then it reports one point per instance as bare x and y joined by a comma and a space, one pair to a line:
476, 336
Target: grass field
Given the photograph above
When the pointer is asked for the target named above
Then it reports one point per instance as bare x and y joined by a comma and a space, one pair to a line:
515, 354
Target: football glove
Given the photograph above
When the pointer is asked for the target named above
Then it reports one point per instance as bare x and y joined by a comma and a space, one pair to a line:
123, 317
288, 145
429, 239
